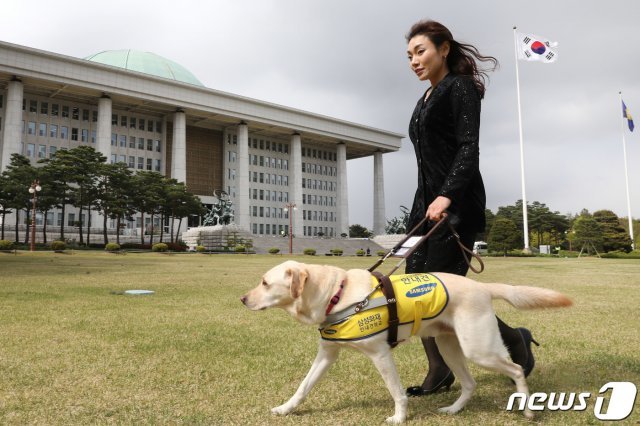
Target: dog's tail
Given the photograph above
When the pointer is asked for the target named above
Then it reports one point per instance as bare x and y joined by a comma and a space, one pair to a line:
523, 297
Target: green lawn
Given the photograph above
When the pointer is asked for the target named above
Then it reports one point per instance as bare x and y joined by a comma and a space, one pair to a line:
74, 350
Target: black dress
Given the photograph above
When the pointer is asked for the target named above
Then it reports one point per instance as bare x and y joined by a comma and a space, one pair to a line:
445, 132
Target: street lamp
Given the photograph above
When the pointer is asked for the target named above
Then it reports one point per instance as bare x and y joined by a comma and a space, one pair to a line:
34, 189
290, 207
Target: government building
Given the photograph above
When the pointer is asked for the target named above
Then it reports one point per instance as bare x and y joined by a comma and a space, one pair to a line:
153, 114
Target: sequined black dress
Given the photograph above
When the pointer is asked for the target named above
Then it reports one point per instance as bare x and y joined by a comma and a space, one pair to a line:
445, 133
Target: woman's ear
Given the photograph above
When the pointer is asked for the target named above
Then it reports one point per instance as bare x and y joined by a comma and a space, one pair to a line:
444, 49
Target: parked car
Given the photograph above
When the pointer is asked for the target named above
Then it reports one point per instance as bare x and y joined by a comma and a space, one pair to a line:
480, 247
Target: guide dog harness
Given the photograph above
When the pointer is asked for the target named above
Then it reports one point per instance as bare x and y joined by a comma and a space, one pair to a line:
417, 297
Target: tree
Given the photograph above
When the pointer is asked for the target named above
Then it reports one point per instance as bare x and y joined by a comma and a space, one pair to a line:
614, 236
587, 233
17, 179
504, 235
398, 225
148, 195
359, 231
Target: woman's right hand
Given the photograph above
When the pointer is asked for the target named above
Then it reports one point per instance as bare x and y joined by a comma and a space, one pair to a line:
437, 208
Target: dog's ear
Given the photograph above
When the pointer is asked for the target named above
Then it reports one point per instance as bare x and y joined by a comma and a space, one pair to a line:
298, 278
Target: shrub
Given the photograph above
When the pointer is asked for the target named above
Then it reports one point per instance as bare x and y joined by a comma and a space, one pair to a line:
309, 251
161, 247
112, 247
337, 251
240, 248
136, 246
359, 252
274, 250
201, 249
177, 246
58, 245
6, 245
381, 253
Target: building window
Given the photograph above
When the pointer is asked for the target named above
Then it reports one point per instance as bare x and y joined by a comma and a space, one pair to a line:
74, 133
53, 131
44, 108
140, 163
42, 131
157, 167
42, 151
149, 144
132, 141
149, 164
65, 111
85, 135
123, 120
64, 132
93, 136
141, 124
122, 159
114, 119
94, 116
140, 143
158, 145
33, 106
31, 150
75, 113
132, 123
132, 162
149, 125
85, 115
113, 158
123, 141
54, 110
158, 126
31, 128
114, 139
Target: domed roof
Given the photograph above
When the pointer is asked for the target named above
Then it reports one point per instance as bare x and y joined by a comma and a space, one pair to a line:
147, 63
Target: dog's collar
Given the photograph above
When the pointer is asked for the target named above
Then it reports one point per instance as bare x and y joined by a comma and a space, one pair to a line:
335, 299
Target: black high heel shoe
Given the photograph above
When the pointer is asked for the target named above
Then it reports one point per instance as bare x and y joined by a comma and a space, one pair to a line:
444, 383
530, 361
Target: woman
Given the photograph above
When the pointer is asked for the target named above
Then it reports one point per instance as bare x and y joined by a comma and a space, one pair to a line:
444, 130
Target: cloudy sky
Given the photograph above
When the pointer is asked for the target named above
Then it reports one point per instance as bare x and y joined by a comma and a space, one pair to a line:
346, 59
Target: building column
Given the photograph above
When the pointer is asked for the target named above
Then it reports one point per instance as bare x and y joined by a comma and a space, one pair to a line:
103, 136
179, 147
379, 219
295, 172
242, 216
343, 193
12, 130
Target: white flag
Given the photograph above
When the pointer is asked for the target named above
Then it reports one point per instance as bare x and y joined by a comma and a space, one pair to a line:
535, 48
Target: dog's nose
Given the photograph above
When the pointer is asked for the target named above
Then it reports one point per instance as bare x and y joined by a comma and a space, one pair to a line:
243, 299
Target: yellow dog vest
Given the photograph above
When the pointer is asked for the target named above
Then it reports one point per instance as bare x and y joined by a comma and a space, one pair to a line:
418, 297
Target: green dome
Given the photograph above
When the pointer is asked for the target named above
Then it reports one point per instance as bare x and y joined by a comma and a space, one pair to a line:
147, 63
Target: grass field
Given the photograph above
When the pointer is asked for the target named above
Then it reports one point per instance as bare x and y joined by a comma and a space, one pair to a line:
75, 350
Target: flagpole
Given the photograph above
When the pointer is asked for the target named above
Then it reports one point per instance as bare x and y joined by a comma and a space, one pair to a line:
524, 196
626, 177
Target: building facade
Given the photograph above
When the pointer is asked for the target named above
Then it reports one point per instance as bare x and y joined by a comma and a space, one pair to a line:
152, 114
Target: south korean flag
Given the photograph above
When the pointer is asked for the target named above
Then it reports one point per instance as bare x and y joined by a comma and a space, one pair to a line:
531, 47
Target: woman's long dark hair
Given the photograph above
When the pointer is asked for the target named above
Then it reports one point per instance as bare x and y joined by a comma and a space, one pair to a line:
462, 58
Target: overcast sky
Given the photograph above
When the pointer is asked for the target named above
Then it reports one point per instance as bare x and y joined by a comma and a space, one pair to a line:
347, 59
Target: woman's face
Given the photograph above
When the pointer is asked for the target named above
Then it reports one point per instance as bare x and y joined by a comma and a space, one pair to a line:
426, 60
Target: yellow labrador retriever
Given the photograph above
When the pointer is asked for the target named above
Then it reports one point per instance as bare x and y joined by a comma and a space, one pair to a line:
464, 328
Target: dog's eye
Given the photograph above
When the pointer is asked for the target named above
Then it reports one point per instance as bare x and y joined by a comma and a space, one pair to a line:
264, 283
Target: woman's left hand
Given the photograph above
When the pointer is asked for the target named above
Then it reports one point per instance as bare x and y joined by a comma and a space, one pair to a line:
438, 207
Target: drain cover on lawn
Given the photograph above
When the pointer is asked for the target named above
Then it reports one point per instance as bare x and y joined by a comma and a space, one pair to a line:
139, 292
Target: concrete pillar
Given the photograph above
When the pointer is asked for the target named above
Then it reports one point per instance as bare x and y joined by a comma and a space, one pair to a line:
243, 218
295, 173
12, 126
179, 147
103, 136
343, 193
379, 219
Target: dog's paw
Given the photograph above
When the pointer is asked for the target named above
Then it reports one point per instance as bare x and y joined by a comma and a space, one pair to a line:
395, 420
452, 409
282, 410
